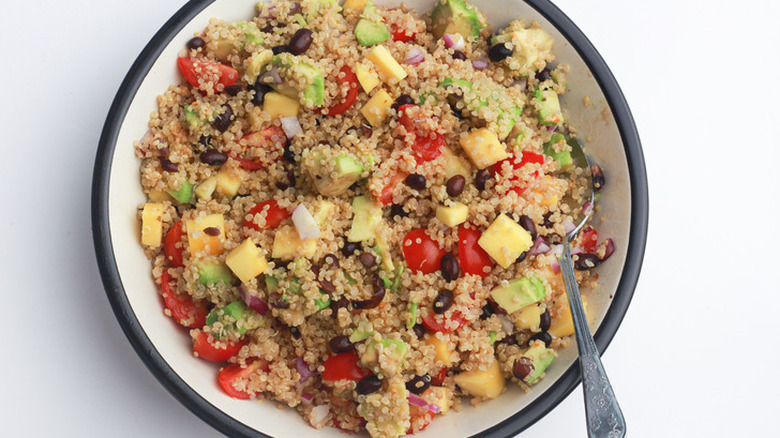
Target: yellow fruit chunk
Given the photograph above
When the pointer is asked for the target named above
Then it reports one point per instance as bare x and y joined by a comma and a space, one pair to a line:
484, 384
483, 147
355, 5
390, 70
246, 262
376, 109
441, 348
368, 78
562, 324
440, 396
455, 165
528, 318
206, 188
279, 105
151, 224
227, 183
159, 196
323, 211
287, 244
505, 240
452, 216
202, 240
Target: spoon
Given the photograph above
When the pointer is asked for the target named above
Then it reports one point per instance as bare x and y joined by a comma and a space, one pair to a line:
602, 412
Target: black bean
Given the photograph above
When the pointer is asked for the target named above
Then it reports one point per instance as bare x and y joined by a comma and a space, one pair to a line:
529, 226
268, 29
522, 367
509, 340
349, 248
331, 260
233, 90
402, 100
341, 344
164, 152
281, 185
455, 185
499, 52
418, 384
545, 321
376, 298
450, 269
609, 248
543, 75
554, 239
521, 257
487, 312
415, 181
260, 92
295, 332
280, 49
168, 166
301, 41
481, 178
548, 223
213, 157
291, 177
368, 385
586, 261
327, 286
335, 305
288, 155
541, 336
211, 231
204, 141
598, 177
223, 121
196, 43
398, 210
459, 55
367, 259
419, 330
443, 301
275, 300
457, 112
366, 130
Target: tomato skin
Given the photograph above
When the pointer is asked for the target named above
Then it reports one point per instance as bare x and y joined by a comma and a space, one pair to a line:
427, 146
438, 379
400, 34
588, 239
208, 351
174, 254
344, 366
528, 157
422, 257
268, 138
183, 309
352, 93
437, 323
274, 216
416, 412
473, 259
385, 197
228, 376
226, 75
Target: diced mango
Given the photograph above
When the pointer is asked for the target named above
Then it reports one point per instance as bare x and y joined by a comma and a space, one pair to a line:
151, 224
562, 323
367, 77
376, 110
390, 70
487, 384
454, 164
505, 240
323, 211
483, 147
439, 396
206, 188
551, 199
355, 5
201, 241
245, 261
159, 196
452, 216
441, 348
528, 318
227, 183
287, 244
279, 105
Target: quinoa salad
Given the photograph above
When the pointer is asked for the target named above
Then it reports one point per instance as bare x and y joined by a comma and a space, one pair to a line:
356, 211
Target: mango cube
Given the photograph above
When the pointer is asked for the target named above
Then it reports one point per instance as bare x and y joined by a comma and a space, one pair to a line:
288, 245
206, 234
483, 147
376, 110
487, 384
279, 105
452, 216
206, 188
246, 262
455, 165
441, 348
151, 224
355, 5
227, 183
367, 77
562, 323
390, 70
439, 396
528, 318
505, 240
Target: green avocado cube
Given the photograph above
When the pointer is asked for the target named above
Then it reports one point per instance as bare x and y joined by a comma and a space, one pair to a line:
558, 149
519, 293
455, 16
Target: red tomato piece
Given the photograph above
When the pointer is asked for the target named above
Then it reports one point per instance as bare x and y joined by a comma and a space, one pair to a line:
352, 92
213, 353
473, 259
528, 157
401, 35
588, 239
385, 197
272, 139
233, 373
173, 253
273, 217
438, 379
183, 309
427, 146
204, 74
421, 418
344, 366
439, 323
423, 256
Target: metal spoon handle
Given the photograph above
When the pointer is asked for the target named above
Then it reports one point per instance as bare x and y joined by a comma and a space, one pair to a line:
602, 412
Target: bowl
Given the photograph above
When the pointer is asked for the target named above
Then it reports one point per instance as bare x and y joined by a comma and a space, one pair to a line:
165, 348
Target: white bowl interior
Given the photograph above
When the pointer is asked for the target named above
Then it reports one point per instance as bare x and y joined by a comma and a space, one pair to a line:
595, 123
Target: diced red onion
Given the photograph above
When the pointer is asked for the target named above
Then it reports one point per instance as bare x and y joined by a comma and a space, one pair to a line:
576, 250
522, 83
291, 126
555, 266
255, 303
416, 400
415, 56
303, 369
304, 223
506, 324
557, 250
270, 76
307, 398
480, 63
454, 41
609, 248
568, 226
147, 139
540, 247
587, 207
319, 414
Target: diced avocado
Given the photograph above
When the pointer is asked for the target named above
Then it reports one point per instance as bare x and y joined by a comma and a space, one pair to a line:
323, 302
492, 335
541, 358
360, 335
397, 278
393, 354
332, 172
298, 73
209, 275
383, 249
271, 284
194, 121
183, 194
485, 94
315, 8
235, 316
412, 320
519, 293
531, 48
368, 215
455, 16
448, 82
351, 281
563, 155
374, 409
370, 30
256, 64
549, 107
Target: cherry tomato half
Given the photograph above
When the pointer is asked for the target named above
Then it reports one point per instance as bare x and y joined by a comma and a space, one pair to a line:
213, 353
203, 74
528, 157
438, 379
233, 373
420, 418
438, 323
344, 366
183, 309
402, 35
385, 197
423, 256
273, 217
588, 239
473, 259
427, 146
173, 253
271, 139
350, 79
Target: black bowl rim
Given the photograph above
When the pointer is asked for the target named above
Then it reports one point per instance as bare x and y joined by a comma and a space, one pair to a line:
232, 427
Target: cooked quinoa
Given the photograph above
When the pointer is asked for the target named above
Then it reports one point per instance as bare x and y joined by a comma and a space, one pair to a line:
357, 210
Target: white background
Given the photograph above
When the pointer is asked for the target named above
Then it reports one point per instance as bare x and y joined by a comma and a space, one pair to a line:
696, 355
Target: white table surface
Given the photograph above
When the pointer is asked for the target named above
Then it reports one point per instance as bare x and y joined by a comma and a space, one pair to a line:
697, 352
